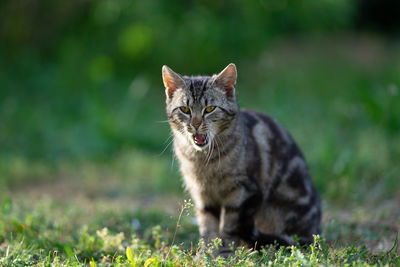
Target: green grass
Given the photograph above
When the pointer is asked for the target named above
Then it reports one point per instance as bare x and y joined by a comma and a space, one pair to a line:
44, 234
78, 186
81, 214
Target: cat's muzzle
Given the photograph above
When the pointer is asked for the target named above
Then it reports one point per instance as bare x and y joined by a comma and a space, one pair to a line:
200, 139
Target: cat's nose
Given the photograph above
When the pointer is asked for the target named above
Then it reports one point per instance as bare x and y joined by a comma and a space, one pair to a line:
196, 122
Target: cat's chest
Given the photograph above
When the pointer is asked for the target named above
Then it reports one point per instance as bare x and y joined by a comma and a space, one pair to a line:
210, 184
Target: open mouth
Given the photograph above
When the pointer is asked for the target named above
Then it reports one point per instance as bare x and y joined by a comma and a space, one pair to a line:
200, 139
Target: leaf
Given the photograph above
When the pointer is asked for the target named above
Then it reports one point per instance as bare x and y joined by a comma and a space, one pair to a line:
69, 251
92, 263
129, 255
148, 262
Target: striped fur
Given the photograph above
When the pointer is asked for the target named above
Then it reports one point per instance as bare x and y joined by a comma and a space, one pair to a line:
249, 182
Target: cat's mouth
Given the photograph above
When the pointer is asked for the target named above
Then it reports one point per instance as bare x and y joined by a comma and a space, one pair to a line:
200, 139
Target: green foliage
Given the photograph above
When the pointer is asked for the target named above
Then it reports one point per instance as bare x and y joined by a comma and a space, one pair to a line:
340, 106
87, 85
91, 78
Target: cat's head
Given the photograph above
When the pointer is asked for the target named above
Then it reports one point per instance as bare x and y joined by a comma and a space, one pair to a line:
201, 108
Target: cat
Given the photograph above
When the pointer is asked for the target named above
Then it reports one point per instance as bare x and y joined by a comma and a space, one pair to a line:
247, 177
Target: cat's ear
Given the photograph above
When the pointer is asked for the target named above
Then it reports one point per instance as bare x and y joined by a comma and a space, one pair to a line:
226, 79
172, 81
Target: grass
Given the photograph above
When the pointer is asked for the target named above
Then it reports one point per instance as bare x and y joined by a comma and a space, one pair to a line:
100, 232
88, 216
96, 190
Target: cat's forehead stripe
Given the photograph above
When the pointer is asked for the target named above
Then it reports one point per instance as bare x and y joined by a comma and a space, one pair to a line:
197, 87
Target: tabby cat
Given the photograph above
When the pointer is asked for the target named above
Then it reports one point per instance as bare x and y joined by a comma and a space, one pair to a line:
248, 179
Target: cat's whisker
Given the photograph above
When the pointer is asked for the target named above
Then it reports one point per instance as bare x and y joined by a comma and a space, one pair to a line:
212, 151
170, 142
208, 152
205, 159
173, 158
208, 156
170, 139
220, 141
171, 135
164, 121
219, 152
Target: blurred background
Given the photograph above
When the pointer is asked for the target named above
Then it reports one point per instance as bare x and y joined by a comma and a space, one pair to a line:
82, 105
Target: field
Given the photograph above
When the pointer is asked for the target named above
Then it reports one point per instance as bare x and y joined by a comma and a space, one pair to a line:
339, 96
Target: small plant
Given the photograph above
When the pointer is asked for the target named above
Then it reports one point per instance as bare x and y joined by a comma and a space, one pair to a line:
186, 206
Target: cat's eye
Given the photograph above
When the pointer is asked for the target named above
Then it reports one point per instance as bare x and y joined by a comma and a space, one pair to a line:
185, 110
209, 109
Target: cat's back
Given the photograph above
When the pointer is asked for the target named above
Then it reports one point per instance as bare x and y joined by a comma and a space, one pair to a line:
283, 176
271, 147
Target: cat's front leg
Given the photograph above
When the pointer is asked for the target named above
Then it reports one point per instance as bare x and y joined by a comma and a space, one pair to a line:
237, 219
208, 220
